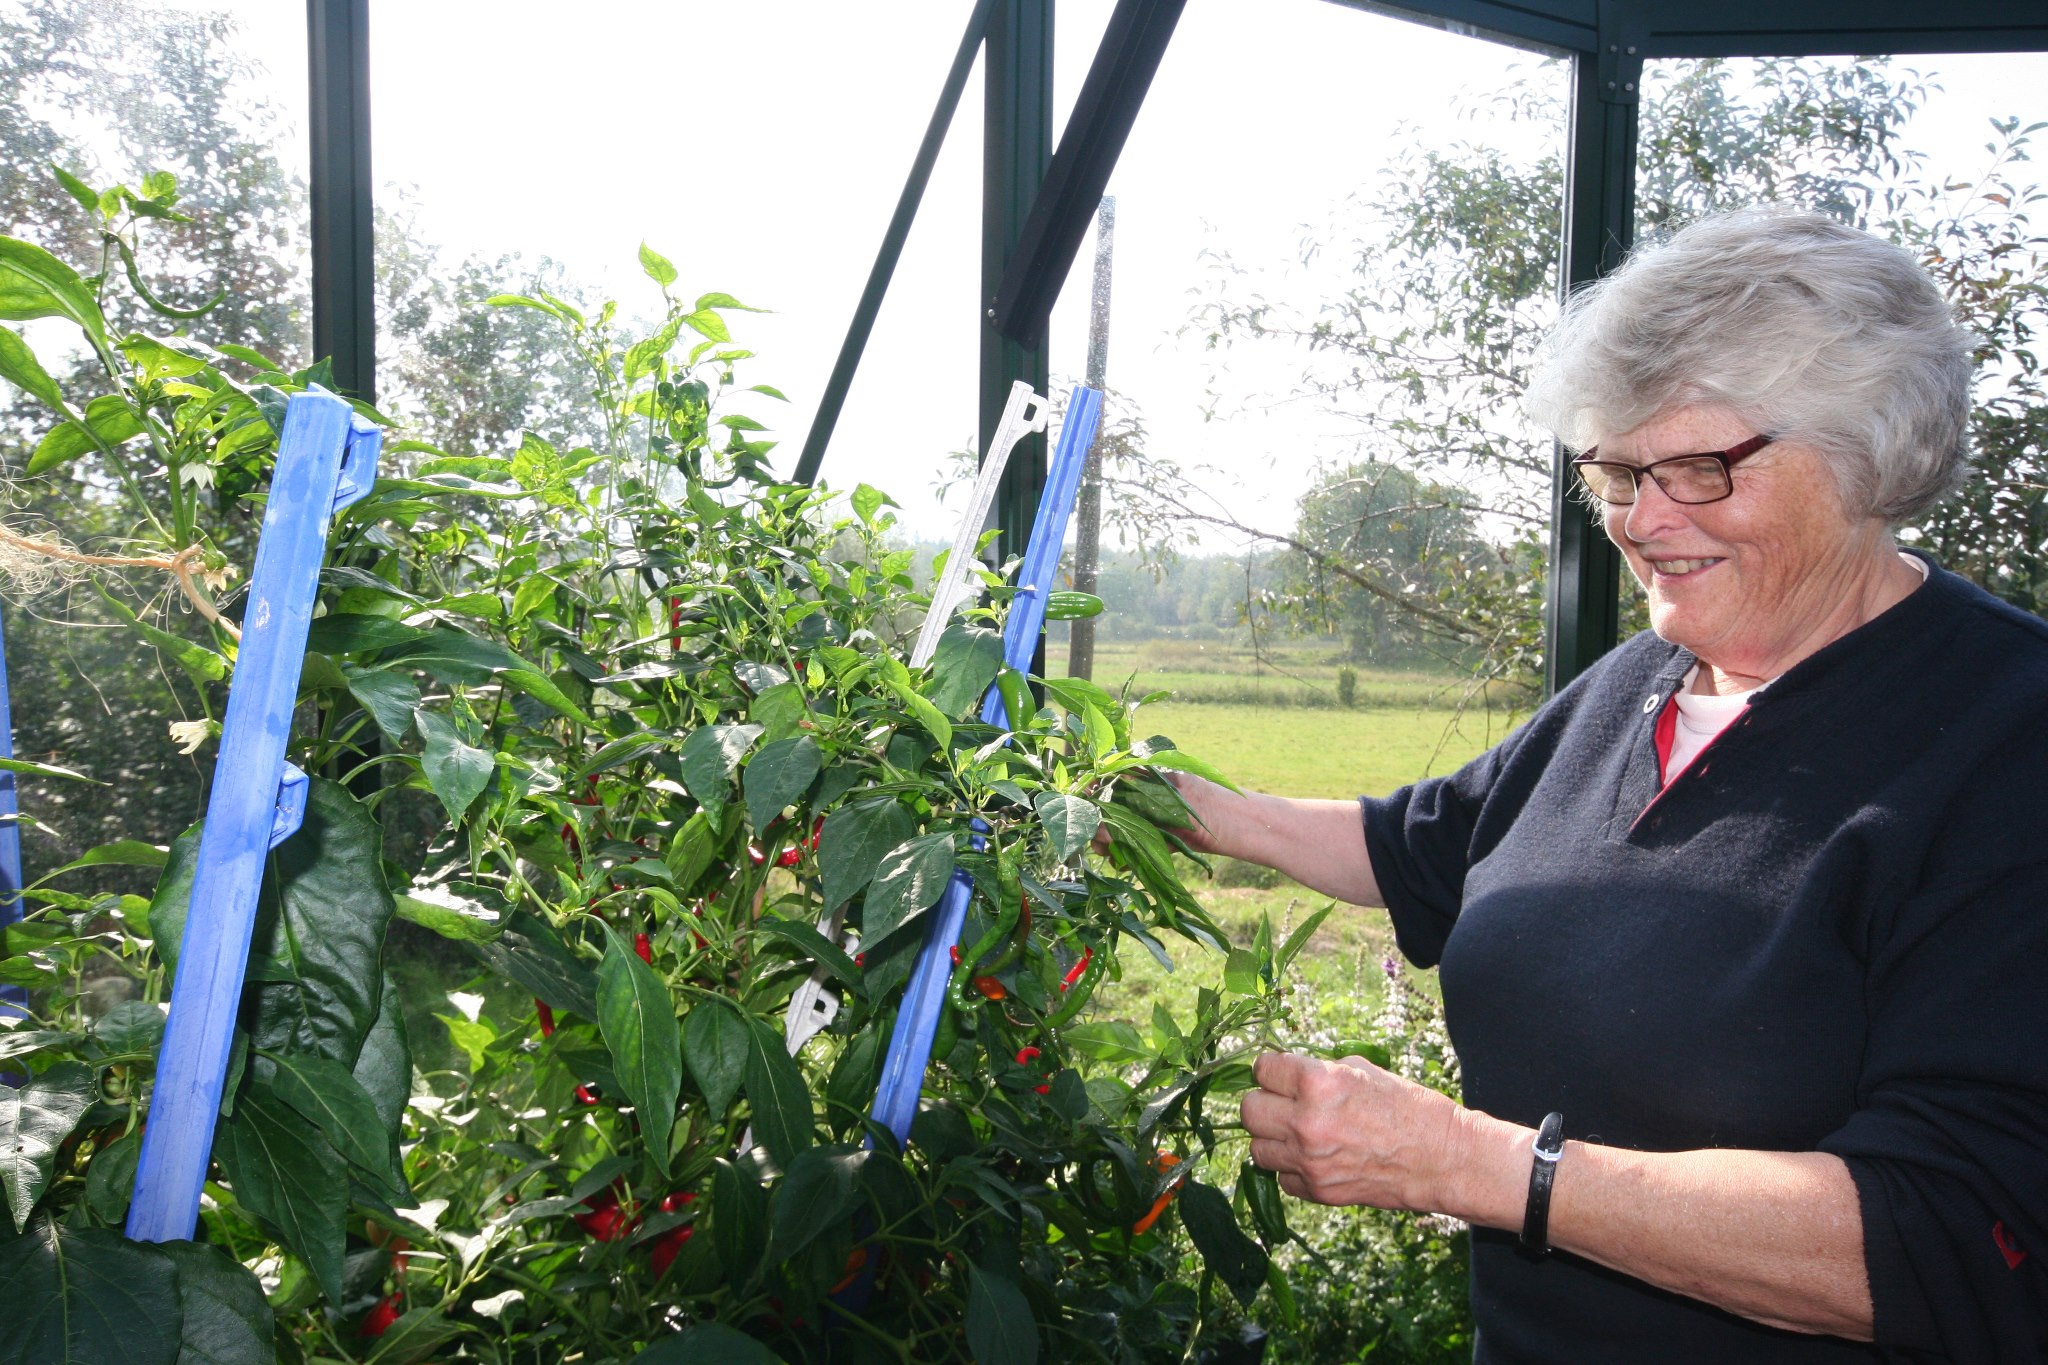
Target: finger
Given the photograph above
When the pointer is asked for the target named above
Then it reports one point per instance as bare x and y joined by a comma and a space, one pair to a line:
1271, 1154
1295, 1184
1265, 1115
1279, 1072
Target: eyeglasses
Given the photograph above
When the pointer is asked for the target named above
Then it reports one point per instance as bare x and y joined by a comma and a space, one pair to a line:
1698, 478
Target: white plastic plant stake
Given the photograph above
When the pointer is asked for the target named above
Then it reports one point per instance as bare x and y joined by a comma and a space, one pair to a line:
1025, 413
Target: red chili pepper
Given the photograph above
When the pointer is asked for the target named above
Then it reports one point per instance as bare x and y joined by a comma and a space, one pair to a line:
547, 1018
1027, 1055
644, 946
791, 856
955, 951
991, 988
856, 1261
606, 1221
378, 1320
589, 1094
663, 1253
755, 855
680, 1199
1075, 972
860, 959
675, 621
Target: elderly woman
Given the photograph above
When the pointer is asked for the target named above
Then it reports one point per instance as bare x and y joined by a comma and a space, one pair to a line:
1744, 935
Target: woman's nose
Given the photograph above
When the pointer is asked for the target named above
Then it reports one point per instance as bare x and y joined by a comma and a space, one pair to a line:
1653, 512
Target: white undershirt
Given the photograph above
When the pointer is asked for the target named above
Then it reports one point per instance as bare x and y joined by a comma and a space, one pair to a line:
1701, 717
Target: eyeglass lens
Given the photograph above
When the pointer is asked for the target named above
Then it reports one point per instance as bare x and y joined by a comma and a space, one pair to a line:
1699, 479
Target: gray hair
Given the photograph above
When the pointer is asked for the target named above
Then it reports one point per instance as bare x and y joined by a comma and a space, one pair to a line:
1812, 330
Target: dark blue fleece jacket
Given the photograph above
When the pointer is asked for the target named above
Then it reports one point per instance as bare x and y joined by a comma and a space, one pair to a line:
1829, 933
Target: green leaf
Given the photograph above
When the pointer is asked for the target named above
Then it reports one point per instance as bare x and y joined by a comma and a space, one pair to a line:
715, 1045
131, 1028
529, 951
447, 921
739, 1220
35, 284
87, 1296
817, 1191
657, 266
780, 711
315, 963
120, 853
1241, 973
384, 1067
1000, 1328
775, 1089
1237, 1260
928, 715
638, 1021
108, 421
85, 194
1113, 1041
201, 664
349, 632
777, 775
965, 663
855, 838
716, 300
415, 1337
34, 1121
708, 1343
1298, 940
226, 1318
328, 1096
110, 1180
867, 501
908, 881
288, 1175
708, 325
817, 947
1188, 763
1071, 821
457, 772
707, 759
19, 367
389, 697
50, 770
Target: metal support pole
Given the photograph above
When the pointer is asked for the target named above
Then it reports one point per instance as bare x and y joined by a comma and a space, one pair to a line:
340, 192
326, 459
1583, 605
1016, 149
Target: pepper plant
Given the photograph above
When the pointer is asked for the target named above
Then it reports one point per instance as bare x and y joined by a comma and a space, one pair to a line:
688, 794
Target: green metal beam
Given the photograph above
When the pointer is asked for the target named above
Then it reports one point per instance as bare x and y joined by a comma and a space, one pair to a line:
1016, 149
1583, 603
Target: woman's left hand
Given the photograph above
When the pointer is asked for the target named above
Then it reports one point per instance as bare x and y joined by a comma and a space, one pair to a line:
1349, 1132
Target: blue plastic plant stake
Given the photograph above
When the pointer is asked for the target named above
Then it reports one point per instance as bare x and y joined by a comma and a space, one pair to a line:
910, 1044
13, 999
326, 459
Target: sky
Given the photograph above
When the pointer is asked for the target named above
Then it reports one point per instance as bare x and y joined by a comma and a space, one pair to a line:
762, 146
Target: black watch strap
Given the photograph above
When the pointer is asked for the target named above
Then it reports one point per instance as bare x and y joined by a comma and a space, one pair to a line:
1547, 1148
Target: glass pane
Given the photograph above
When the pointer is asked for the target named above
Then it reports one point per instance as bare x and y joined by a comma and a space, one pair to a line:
1324, 516
1931, 152
214, 93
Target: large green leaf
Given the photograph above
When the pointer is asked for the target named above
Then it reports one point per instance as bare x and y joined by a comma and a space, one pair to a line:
818, 1190
334, 1101
384, 1066
87, 1296
708, 1343
853, 842
110, 1181
19, 367
715, 1044
314, 962
35, 284
529, 951
455, 656
1237, 1260
107, 421
963, 666
226, 1318
739, 1220
638, 1021
348, 632
908, 881
34, 1121
286, 1174
1070, 821
389, 697
457, 772
777, 775
707, 759
776, 1090
1000, 1328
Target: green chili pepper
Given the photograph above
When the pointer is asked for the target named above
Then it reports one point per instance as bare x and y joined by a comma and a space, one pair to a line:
947, 1033
1078, 993
1262, 1193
